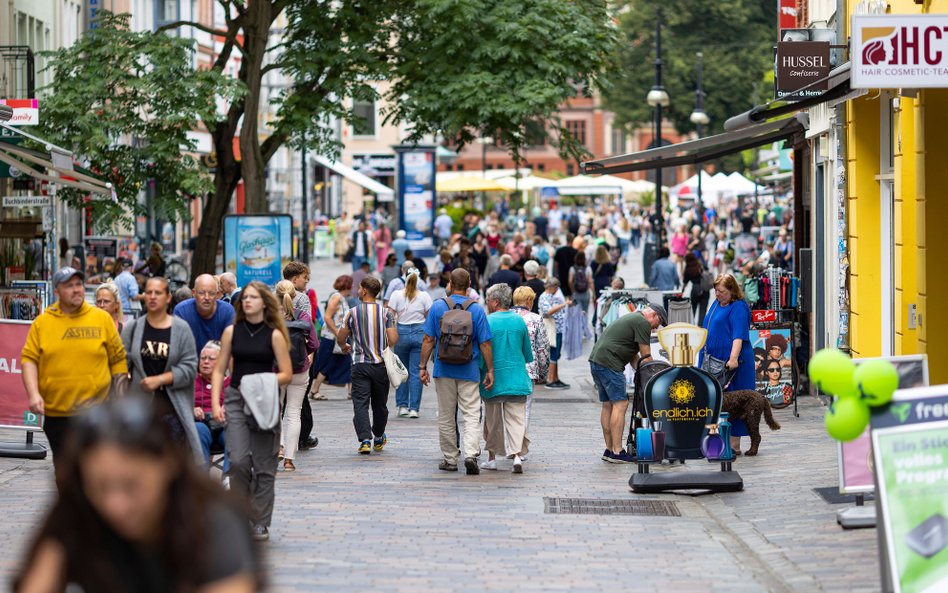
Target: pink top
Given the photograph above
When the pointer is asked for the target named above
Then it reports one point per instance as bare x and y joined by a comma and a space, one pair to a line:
679, 244
202, 393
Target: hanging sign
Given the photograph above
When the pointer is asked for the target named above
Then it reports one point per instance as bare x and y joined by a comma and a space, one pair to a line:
802, 64
899, 51
25, 111
910, 452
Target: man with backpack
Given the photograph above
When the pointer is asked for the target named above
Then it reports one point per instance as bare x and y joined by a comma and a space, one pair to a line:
458, 333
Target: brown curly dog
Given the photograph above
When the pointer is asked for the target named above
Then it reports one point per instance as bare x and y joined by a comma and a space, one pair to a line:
749, 406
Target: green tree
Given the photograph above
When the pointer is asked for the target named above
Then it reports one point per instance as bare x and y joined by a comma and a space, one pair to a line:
736, 39
497, 65
129, 115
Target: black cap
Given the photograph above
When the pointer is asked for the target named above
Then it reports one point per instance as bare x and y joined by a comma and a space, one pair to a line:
662, 315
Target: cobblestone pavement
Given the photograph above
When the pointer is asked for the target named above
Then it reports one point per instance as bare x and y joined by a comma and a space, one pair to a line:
393, 522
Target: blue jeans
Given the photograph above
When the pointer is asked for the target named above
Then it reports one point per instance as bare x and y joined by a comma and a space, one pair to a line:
609, 384
357, 261
209, 440
408, 350
624, 247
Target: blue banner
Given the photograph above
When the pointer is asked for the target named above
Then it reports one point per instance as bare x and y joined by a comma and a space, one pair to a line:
256, 247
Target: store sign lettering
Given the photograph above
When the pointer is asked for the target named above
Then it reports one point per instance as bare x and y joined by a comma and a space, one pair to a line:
899, 51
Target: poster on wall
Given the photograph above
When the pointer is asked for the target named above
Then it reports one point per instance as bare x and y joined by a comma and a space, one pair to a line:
256, 247
910, 451
773, 366
855, 457
14, 403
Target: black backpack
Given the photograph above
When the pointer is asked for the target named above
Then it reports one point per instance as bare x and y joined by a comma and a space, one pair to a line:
299, 338
580, 282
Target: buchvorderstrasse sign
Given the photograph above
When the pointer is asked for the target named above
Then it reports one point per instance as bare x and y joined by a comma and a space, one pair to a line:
899, 51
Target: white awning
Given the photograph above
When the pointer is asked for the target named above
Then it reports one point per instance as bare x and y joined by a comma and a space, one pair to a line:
381, 190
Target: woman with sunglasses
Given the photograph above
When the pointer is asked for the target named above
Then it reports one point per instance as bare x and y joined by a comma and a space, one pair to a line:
391, 271
162, 361
136, 515
777, 391
256, 343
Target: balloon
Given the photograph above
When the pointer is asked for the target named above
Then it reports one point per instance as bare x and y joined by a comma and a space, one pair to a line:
847, 418
876, 380
831, 371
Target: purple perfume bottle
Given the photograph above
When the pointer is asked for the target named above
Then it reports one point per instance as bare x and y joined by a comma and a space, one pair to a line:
712, 445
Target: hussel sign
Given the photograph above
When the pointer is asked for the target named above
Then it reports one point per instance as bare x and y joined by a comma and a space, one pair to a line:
899, 51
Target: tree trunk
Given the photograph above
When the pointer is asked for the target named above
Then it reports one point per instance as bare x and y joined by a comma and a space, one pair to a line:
252, 163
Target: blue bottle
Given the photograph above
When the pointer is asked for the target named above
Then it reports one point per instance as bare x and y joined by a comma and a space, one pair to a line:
724, 429
643, 441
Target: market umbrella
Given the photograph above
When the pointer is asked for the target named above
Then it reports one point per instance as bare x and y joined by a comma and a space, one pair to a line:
465, 184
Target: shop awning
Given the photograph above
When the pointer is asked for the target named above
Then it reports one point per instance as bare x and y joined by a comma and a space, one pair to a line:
465, 184
31, 161
703, 149
837, 89
359, 179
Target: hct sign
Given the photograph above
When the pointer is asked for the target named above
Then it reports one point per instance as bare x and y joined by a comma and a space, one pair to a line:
899, 51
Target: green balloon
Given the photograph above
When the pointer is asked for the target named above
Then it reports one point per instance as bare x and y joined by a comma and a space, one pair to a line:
831, 371
847, 418
876, 380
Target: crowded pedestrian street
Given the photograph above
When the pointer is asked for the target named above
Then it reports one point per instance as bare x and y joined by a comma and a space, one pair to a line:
394, 522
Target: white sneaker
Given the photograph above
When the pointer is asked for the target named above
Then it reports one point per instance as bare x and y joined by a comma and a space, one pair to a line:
517, 465
402, 412
225, 482
413, 414
490, 464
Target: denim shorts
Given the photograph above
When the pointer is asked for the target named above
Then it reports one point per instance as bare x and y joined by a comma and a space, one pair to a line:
609, 383
555, 349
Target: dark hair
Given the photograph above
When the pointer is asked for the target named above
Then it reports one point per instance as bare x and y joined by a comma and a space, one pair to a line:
777, 341
343, 282
83, 534
663, 252
294, 269
371, 285
409, 253
390, 256
162, 280
693, 267
580, 259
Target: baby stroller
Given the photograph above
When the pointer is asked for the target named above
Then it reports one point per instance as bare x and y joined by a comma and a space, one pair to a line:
643, 374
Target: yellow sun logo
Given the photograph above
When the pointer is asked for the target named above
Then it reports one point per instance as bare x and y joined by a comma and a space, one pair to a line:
682, 392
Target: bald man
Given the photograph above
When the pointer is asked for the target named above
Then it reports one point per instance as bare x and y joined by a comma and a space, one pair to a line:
206, 315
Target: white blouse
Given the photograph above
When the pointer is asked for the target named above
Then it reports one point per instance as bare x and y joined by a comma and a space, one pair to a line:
410, 312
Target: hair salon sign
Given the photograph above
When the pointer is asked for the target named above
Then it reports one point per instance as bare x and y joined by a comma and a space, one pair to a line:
899, 51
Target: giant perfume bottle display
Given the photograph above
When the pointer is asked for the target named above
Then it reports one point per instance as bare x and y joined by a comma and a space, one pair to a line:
684, 398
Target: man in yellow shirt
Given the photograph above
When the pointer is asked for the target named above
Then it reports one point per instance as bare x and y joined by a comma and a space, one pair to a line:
71, 355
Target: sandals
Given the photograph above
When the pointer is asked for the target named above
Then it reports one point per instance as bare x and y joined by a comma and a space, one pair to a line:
318, 397
280, 454
288, 465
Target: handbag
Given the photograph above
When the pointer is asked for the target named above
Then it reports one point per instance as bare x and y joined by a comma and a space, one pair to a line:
397, 373
550, 325
717, 368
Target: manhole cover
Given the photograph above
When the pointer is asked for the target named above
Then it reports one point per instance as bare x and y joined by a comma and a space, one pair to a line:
562, 400
609, 506
832, 496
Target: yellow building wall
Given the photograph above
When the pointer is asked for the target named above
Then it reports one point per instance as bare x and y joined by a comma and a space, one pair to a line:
862, 143
932, 178
905, 253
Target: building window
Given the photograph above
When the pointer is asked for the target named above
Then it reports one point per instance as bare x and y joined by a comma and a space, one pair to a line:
618, 141
166, 11
541, 167
577, 129
534, 133
460, 167
569, 169
364, 122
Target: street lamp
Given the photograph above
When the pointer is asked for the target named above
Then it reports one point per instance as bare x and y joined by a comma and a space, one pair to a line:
658, 98
699, 118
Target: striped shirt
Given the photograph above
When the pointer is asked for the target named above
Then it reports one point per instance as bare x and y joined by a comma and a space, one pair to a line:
367, 323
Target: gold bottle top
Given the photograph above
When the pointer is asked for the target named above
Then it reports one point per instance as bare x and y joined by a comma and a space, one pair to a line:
681, 354
682, 342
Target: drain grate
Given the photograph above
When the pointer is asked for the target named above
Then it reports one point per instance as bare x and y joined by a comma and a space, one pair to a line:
609, 506
832, 496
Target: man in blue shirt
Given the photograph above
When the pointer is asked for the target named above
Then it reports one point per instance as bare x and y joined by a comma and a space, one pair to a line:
207, 316
128, 287
457, 384
664, 274
400, 245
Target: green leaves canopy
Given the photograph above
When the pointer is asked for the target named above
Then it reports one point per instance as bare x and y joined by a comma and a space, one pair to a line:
124, 101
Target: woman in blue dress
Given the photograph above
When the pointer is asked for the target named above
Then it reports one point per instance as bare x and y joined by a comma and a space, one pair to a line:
728, 324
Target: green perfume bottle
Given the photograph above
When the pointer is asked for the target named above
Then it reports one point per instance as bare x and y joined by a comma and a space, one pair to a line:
684, 398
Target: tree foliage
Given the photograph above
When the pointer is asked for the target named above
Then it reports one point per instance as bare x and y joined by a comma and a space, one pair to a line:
463, 66
125, 101
736, 39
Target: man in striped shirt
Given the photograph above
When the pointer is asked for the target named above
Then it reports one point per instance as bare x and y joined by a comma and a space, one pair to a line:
371, 328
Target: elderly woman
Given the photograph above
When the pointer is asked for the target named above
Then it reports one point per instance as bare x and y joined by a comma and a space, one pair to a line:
505, 403
107, 298
523, 299
728, 324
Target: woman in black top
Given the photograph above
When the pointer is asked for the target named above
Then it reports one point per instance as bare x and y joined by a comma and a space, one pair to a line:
135, 515
693, 273
257, 343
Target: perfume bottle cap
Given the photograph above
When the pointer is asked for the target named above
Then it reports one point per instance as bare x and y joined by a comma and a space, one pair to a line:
682, 341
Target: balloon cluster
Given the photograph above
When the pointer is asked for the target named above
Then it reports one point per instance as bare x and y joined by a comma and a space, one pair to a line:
856, 387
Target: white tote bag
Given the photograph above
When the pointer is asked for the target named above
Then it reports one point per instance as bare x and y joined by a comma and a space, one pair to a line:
397, 373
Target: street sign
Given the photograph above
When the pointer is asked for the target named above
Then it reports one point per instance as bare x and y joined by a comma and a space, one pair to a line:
26, 201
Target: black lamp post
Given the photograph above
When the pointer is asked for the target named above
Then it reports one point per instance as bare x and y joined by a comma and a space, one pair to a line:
700, 119
658, 98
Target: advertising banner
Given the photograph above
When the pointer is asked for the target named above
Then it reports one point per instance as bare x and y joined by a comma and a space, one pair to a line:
773, 366
25, 111
256, 247
910, 450
417, 185
855, 457
14, 403
899, 51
